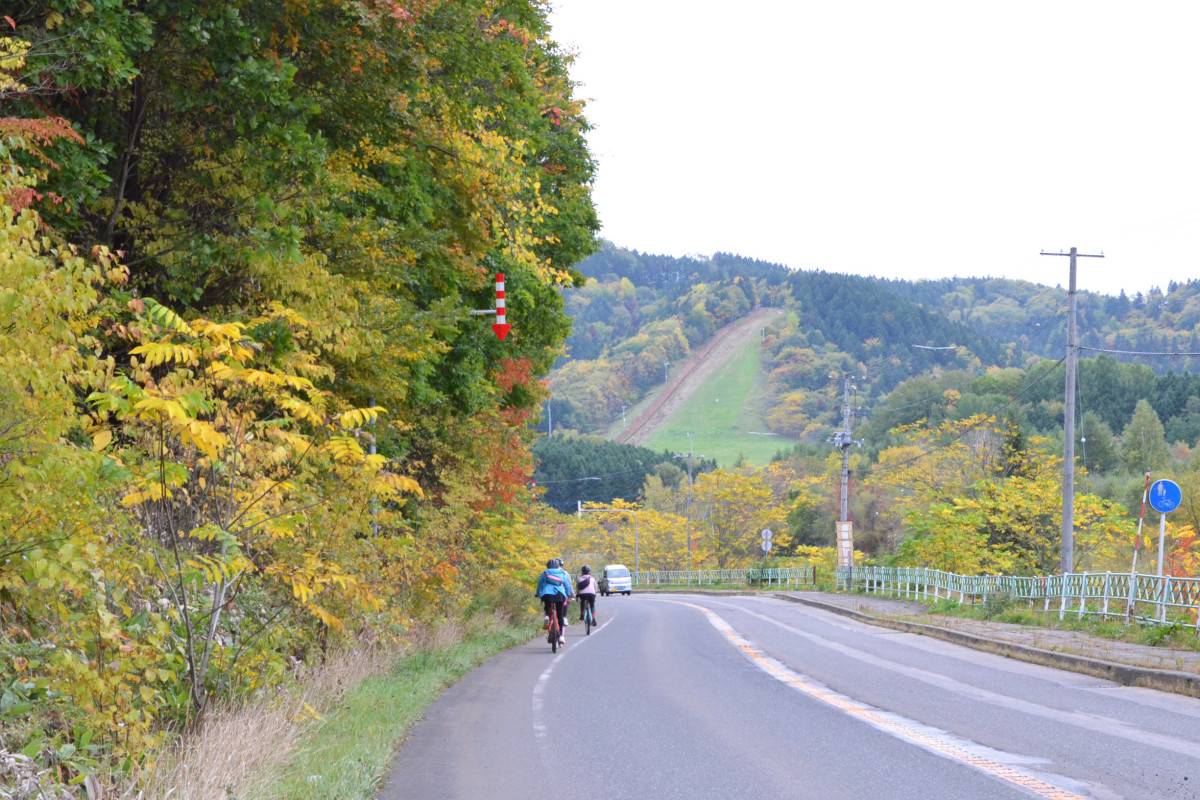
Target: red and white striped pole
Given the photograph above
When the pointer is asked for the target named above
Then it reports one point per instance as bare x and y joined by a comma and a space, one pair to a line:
501, 327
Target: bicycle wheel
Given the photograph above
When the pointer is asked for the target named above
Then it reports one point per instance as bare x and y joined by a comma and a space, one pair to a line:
588, 622
554, 629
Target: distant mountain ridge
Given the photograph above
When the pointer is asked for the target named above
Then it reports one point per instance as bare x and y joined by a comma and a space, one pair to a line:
641, 313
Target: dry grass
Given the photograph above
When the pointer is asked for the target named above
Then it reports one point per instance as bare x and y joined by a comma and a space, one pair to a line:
239, 751
227, 755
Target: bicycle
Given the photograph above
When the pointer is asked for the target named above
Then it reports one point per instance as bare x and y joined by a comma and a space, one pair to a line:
555, 630
589, 621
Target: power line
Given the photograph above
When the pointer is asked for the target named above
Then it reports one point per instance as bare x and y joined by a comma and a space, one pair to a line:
593, 477
1147, 353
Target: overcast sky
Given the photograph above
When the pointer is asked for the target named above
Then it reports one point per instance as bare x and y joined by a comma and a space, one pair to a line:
906, 139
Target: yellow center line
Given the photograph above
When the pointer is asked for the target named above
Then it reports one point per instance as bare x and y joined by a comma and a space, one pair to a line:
898, 729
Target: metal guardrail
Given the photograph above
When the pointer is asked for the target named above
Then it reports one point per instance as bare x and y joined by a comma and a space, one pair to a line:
773, 576
1146, 598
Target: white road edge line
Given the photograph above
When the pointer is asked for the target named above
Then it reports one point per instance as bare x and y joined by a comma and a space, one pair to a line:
887, 723
539, 689
1082, 720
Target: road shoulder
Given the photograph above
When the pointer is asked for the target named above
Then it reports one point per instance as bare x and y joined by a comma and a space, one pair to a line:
1121, 662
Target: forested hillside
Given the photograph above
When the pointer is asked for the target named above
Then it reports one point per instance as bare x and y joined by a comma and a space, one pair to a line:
246, 417
1033, 316
957, 395
638, 314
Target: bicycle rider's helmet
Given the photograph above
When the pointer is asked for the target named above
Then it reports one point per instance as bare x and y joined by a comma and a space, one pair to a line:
586, 570
552, 563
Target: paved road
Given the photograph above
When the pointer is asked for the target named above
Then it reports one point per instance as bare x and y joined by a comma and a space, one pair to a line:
724, 697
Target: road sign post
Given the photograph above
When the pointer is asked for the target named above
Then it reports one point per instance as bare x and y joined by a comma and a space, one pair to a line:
1165, 497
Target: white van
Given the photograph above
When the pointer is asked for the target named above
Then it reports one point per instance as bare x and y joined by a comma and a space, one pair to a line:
616, 580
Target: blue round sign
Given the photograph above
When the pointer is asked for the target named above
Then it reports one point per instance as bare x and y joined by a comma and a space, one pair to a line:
1165, 496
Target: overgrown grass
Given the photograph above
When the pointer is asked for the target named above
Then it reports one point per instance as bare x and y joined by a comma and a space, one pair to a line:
347, 754
722, 412
336, 724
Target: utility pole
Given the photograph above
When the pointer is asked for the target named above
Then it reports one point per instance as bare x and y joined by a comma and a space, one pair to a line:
843, 440
1067, 563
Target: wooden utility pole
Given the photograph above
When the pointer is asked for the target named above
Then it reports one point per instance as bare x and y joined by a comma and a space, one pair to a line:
1067, 563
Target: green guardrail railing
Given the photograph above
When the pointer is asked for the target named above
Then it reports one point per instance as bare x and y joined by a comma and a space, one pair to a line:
768, 576
1147, 598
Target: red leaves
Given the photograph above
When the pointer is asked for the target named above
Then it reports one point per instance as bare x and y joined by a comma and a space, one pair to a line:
10, 21
396, 11
514, 373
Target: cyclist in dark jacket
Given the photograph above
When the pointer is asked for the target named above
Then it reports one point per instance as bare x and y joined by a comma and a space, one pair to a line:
554, 587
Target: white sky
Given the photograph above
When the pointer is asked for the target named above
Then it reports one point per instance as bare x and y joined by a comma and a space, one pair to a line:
903, 138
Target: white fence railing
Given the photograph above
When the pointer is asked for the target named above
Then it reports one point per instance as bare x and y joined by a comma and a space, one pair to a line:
1145, 597
775, 576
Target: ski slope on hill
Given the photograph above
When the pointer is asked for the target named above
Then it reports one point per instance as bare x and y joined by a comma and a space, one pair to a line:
726, 344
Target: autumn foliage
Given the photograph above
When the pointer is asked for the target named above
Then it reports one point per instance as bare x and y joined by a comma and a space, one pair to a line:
246, 415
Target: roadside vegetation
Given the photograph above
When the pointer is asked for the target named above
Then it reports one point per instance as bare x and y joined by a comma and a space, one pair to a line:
248, 424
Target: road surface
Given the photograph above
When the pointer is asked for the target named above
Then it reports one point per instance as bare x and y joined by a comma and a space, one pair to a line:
752, 697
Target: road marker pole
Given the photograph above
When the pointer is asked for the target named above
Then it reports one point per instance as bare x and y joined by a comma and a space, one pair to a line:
501, 327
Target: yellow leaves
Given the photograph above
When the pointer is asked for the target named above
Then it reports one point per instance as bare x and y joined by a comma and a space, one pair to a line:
12, 60
166, 317
102, 439
358, 417
203, 437
158, 408
307, 713
218, 569
300, 410
156, 353
258, 378
149, 491
388, 484
218, 332
344, 449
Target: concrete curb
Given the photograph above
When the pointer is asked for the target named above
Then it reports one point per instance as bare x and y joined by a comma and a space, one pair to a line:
710, 592
1125, 674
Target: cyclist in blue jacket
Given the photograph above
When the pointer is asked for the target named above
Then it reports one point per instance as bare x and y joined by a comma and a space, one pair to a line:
554, 587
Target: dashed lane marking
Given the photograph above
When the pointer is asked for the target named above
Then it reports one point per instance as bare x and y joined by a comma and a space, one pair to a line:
540, 731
